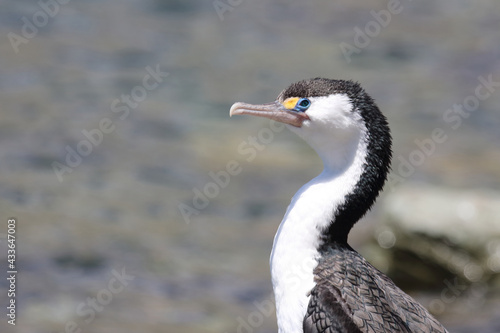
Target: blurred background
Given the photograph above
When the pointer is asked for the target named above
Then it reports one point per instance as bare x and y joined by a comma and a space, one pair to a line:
115, 147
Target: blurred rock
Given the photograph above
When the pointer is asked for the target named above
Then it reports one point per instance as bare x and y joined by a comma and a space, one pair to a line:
437, 234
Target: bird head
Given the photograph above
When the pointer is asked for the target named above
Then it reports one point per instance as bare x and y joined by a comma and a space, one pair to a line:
327, 114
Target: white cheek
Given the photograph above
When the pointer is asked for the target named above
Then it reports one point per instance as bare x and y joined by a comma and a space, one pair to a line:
333, 111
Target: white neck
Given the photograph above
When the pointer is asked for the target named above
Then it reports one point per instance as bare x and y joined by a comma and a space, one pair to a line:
296, 243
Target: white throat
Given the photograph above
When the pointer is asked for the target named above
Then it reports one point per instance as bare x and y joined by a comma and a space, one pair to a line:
295, 249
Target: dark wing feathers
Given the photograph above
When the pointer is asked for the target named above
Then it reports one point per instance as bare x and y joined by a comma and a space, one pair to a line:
352, 296
325, 314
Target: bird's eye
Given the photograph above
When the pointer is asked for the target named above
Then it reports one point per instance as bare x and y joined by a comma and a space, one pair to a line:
303, 104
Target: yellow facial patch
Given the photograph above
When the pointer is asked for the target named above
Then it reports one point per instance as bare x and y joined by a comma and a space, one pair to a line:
290, 103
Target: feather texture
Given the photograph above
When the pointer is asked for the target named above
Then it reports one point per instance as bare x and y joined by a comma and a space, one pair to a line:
353, 296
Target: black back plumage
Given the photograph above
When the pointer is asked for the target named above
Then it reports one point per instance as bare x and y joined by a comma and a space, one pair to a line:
352, 296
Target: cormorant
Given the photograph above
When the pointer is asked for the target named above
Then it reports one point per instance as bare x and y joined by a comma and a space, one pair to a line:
322, 285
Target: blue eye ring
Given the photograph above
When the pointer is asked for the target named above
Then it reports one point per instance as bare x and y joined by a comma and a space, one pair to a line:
302, 104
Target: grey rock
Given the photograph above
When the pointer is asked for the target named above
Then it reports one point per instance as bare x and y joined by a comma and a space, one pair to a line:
436, 233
